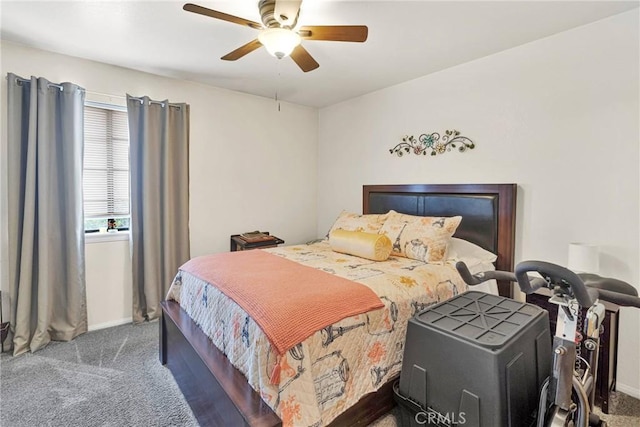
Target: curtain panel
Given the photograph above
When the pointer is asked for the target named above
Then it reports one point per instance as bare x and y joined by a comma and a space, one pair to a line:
159, 167
45, 212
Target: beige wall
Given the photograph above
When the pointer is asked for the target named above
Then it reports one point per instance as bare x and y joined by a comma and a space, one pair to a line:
558, 116
109, 286
251, 166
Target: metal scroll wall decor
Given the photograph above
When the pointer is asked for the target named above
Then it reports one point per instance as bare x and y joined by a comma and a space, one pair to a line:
433, 143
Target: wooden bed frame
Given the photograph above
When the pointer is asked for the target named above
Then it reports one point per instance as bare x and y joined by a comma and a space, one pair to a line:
219, 394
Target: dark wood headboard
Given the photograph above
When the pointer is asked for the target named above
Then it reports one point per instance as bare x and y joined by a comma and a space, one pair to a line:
488, 213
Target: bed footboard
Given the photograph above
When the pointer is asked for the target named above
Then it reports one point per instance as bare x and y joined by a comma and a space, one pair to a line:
219, 394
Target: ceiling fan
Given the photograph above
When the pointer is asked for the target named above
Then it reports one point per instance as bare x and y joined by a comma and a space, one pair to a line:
278, 33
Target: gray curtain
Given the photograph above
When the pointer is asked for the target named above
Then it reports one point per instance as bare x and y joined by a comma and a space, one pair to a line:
46, 233
159, 156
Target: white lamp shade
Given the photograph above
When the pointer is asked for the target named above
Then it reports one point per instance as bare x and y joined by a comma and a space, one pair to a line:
279, 42
583, 258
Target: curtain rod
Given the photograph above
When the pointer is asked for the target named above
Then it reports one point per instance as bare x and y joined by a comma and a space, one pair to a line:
23, 80
132, 97
178, 106
105, 94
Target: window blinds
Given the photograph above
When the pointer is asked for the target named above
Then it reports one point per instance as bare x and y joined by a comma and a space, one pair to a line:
106, 163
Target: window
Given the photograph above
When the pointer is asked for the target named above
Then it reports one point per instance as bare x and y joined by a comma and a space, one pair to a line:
106, 168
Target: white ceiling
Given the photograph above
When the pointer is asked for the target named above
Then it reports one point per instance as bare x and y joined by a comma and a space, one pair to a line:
407, 39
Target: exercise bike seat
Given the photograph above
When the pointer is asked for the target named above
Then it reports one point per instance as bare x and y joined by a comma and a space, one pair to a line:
607, 284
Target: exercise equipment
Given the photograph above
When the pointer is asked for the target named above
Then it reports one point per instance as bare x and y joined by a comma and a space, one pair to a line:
563, 398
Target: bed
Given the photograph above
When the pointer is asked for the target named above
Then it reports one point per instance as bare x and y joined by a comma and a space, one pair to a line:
219, 394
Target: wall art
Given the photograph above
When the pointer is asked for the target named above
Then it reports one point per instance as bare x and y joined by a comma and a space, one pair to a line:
433, 144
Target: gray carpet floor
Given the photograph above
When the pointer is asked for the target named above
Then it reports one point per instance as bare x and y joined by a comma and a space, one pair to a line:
112, 378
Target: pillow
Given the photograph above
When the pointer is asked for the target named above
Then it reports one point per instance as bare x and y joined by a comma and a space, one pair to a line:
470, 253
421, 238
375, 247
353, 222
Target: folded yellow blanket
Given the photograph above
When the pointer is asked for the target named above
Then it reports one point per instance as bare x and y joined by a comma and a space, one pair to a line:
376, 247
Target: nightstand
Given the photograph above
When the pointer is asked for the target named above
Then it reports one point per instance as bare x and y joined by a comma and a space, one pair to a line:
237, 243
608, 357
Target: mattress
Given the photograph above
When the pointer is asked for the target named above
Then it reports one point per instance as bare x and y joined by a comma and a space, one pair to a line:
330, 371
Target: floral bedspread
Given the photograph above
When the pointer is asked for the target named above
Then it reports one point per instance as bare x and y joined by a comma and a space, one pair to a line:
330, 371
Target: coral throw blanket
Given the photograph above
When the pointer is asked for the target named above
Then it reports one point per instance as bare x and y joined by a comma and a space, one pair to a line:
289, 301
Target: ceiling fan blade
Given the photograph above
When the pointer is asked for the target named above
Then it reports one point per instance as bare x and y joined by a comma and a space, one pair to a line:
190, 7
335, 33
242, 50
304, 60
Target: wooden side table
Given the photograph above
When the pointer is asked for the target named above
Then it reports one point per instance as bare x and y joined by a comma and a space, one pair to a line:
237, 243
608, 356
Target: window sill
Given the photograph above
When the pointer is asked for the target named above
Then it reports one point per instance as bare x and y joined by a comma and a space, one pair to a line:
105, 237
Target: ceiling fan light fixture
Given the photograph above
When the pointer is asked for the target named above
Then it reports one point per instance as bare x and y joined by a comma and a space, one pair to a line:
279, 42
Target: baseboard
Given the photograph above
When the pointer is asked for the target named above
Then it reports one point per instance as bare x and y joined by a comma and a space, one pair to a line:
110, 324
633, 392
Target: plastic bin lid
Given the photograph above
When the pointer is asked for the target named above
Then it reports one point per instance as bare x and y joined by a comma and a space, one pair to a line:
487, 320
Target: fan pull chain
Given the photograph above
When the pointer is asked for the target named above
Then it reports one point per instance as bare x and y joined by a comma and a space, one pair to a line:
278, 85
